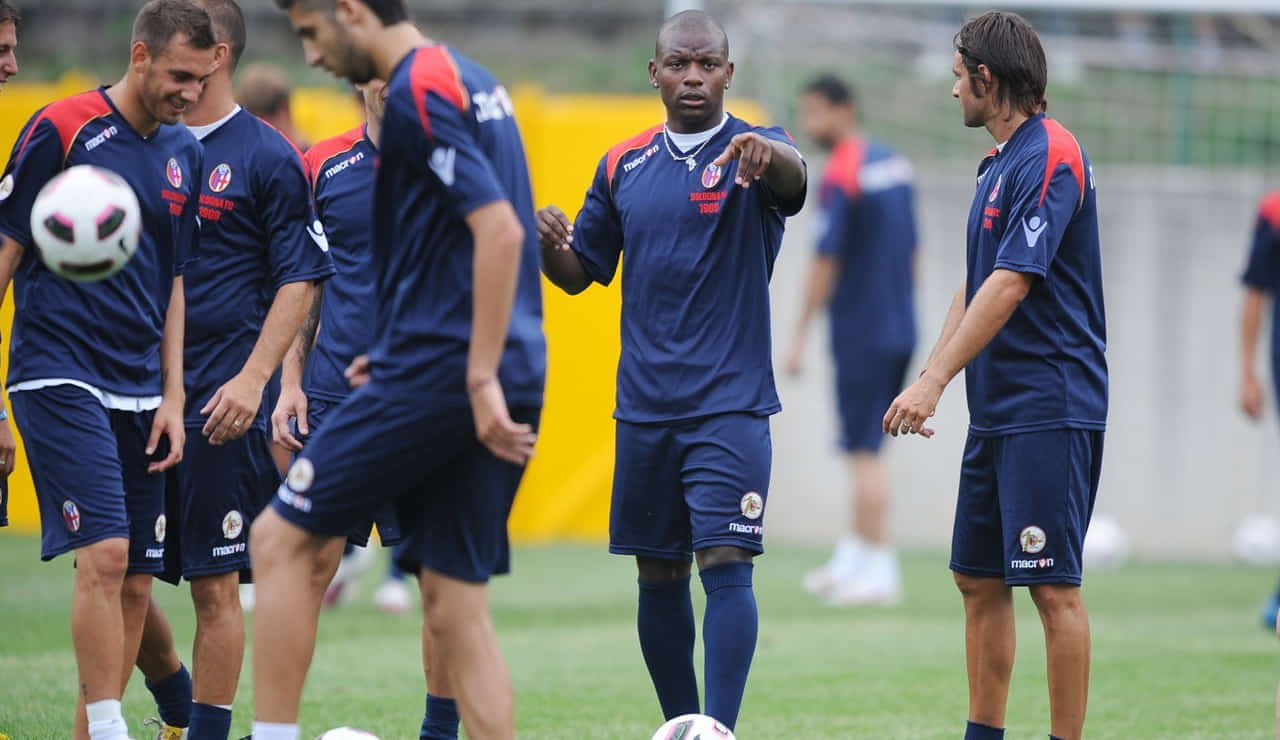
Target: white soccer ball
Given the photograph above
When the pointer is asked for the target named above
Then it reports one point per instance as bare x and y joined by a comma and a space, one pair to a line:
347, 733
1257, 540
86, 222
1105, 544
693, 727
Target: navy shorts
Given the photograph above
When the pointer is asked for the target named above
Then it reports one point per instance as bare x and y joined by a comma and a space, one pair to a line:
452, 496
866, 385
4, 501
385, 518
686, 486
214, 495
90, 470
1025, 504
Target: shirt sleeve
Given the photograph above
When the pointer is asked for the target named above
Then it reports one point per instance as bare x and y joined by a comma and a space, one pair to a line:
597, 232
790, 206
455, 159
298, 249
839, 225
1260, 271
36, 159
1038, 215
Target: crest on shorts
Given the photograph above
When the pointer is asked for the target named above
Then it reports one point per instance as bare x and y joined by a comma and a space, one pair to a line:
173, 173
711, 176
1033, 540
220, 178
751, 505
71, 515
161, 528
301, 475
232, 524
6, 187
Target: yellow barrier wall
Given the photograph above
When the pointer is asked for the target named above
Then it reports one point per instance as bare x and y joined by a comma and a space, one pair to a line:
566, 491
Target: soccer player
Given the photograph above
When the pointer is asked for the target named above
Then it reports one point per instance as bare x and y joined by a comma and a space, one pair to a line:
95, 375
314, 381
1028, 328
695, 209
1261, 280
862, 274
458, 327
9, 18
261, 253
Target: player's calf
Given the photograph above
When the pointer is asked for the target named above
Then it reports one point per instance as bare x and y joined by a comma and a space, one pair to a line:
1067, 643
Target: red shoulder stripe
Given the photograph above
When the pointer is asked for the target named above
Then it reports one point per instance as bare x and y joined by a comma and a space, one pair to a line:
1270, 209
69, 116
1063, 149
434, 71
845, 166
618, 151
319, 154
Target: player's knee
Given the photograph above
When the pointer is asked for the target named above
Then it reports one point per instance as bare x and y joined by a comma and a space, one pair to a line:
216, 597
135, 594
450, 606
723, 555
979, 588
103, 565
659, 570
1057, 601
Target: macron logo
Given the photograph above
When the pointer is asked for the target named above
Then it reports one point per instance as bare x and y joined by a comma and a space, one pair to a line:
1033, 229
101, 138
344, 164
442, 163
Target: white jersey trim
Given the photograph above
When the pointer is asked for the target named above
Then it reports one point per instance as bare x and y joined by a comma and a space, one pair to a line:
113, 401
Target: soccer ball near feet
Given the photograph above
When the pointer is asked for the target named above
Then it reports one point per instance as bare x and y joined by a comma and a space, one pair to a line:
693, 727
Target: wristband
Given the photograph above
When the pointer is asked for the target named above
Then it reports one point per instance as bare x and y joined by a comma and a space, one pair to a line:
4, 413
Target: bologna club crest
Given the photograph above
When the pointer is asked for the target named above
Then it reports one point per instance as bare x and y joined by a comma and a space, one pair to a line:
711, 176
71, 515
220, 178
173, 173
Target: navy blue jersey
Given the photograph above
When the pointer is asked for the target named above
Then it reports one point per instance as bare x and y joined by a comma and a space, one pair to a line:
342, 171
1036, 212
1263, 269
258, 232
449, 146
106, 334
868, 224
697, 254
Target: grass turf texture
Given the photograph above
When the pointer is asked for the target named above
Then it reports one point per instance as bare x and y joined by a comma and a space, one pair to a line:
1178, 654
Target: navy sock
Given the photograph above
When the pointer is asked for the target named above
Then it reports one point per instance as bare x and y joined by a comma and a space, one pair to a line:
975, 731
209, 722
664, 620
729, 636
1054, 737
441, 720
173, 697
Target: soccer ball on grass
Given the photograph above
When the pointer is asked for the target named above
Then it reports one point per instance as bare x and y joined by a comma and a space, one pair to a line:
693, 727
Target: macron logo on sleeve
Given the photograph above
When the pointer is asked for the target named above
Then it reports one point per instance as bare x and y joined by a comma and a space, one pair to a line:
1032, 228
442, 163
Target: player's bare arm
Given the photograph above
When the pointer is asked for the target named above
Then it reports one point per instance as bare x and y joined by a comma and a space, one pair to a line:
233, 407
167, 421
10, 256
989, 311
499, 239
954, 315
823, 275
1251, 396
293, 401
559, 262
776, 162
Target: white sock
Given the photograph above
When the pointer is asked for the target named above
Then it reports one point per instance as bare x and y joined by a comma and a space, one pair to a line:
849, 552
105, 720
274, 731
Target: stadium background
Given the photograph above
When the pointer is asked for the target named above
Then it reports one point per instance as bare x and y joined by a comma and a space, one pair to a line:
1177, 101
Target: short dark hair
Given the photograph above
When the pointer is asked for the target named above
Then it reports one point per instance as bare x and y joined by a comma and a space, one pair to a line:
691, 20
9, 14
1009, 47
228, 26
160, 20
832, 89
389, 12
264, 89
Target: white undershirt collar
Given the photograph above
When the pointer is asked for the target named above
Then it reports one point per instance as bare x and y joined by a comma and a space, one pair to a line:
686, 142
201, 132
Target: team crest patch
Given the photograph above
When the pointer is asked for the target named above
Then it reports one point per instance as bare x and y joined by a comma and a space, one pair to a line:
751, 505
995, 192
71, 515
173, 173
232, 524
161, 528
6, 187
1032, 540
711, 176
301, 475
220, 178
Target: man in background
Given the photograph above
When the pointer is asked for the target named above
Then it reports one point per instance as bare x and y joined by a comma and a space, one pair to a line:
863, 274
265, 91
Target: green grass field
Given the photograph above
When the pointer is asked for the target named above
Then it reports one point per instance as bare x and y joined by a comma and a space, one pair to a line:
1177, 654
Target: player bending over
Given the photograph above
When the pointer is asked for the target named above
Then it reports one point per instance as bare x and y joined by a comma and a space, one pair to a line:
1028, 329
695, 210
95, 375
